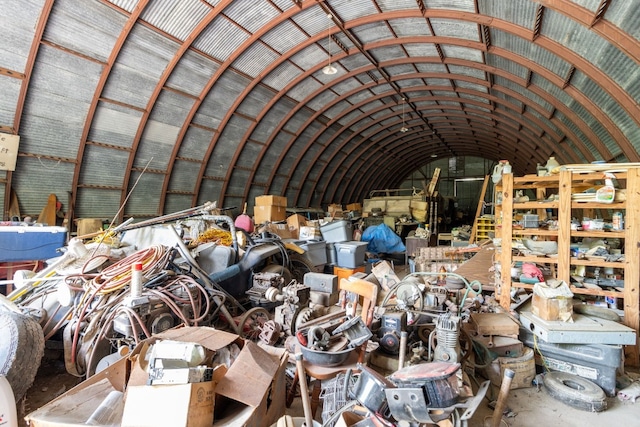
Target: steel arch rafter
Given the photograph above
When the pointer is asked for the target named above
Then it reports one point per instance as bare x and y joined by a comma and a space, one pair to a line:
24, 88
256, 36
490, 97
183, 48
512, 28
364, 176
523, 61
106, 71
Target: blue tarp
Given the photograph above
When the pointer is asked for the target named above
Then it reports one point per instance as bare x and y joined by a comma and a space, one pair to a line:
382, 239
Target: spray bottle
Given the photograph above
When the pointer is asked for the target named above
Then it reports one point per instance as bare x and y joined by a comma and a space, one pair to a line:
607, 193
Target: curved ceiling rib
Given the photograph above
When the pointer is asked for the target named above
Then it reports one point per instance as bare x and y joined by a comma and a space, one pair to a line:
518, 80
24, 87
104, 76
399, 41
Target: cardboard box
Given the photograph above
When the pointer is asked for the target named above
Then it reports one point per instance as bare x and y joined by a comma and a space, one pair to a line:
270, 213
552, 301
385, 274
188, 405
354, 207
552, 308
334, 208
308, 232
295, 222
280, 230
270, 200
236, 404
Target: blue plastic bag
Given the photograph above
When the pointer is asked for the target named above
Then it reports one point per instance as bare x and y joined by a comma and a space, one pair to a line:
381, 239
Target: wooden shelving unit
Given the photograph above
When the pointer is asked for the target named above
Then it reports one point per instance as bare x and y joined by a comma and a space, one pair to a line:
564, 184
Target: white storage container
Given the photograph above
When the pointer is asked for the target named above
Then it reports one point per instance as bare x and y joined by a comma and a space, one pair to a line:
336, 231
351, 254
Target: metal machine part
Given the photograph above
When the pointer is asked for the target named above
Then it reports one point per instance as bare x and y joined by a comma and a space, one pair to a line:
263, 282
392, 323
447, 334
355, 330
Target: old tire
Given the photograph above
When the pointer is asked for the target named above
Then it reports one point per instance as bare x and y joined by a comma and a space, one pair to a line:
575, 391
21, 350
301, 265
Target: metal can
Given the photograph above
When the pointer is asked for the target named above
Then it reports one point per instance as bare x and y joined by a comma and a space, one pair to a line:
617, 221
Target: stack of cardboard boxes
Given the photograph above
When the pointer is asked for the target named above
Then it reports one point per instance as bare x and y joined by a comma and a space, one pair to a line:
269, 208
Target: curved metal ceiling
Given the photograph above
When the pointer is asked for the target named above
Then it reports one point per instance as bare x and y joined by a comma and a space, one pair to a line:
177, 102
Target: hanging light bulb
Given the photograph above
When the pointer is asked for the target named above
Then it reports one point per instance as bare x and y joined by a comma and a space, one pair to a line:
329, 69
403, 129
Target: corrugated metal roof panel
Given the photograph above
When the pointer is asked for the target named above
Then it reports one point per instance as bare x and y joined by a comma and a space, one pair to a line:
537, 80
467, 71
183, 176
282, 75
455, 28
416, 50
92, 200
352, 9
144, 200
405, 27
192, 73
129, 87
127, 5
313, 20
284, 37
115, 125
520, 12
18, 21
473, 98
464, 5
610, 106
52, 119
626, 15
99, 163
177, 202
250, 16
38, 178
537, 55
321, 100
310, 57
210, 191
221, 38
193, 141
249, 154
177, 18
391, 5
507, 65
371, 33
433, 67
474, 86
451, 51
156, 143
255, 59
10, 89
255, 101
381, 87
220, 98
592, 5
98, 24
387, 53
